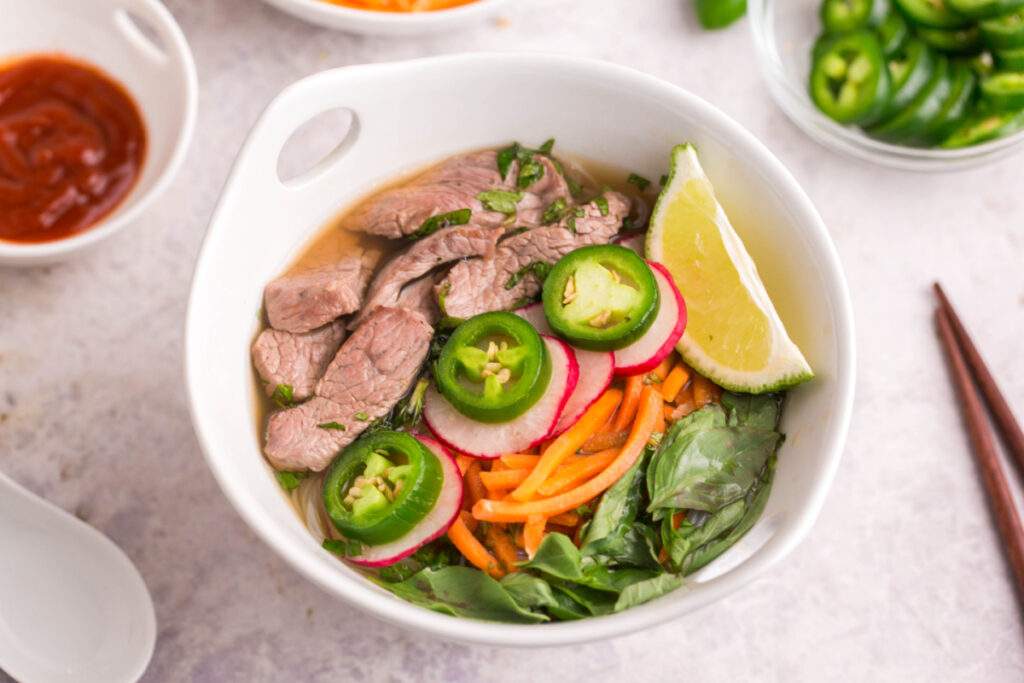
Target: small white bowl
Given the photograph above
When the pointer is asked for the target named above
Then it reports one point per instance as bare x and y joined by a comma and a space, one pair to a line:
594, 109
784, 33
372, 22
139, 44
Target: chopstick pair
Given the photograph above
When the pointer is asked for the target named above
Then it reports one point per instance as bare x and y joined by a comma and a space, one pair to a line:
969, 374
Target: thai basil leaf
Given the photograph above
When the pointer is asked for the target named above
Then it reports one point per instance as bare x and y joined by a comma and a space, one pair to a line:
444, 220
547, 146
530, 592
747, 410
756, 500
566, 608
705, 464
462, 592
613, 534
645, 591
501, 201
595, 602
697, 529
557, 557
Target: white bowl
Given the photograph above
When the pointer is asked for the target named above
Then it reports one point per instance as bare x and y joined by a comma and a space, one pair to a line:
140, 45
594, 109
373, 22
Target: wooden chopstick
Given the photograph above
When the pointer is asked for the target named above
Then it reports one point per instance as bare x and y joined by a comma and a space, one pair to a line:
983, 445
1009, 428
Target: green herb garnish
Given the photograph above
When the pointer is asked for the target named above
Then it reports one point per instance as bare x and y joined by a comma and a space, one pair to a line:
548, 145
501, 201
602, 205
335, 426
663, 181
638, 180
555, 211
361, 416
538, 269
283, 395
290, 481
444, 220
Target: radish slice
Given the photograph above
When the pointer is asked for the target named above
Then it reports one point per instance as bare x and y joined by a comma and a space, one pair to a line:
658, 341
596, 371
491, 440
436, 523
632, 240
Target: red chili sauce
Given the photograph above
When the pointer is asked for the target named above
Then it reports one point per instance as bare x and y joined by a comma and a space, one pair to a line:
72, 145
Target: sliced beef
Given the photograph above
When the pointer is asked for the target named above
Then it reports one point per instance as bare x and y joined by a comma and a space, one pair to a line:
298, 360
372, 370
482, 285
454, 185
309, 299
444, 246
419, 296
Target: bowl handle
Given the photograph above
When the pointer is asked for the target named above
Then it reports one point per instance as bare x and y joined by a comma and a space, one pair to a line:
258, 161
166, 46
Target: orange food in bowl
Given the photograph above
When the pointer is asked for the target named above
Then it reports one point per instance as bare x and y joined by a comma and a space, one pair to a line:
401, 5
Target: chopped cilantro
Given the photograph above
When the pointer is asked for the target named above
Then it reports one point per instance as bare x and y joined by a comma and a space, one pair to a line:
555, 211
361, 416
602, 205
283, 395
663, 181
289, 481
500, 201
335, 426
345, 548
530, 171
538, 269
444, 220
638, 180
548, 145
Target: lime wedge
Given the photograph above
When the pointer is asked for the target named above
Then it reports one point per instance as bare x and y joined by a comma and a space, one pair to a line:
733, 334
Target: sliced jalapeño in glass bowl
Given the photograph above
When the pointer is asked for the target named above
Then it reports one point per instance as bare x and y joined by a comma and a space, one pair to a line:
602, 297
494, 367
381, 486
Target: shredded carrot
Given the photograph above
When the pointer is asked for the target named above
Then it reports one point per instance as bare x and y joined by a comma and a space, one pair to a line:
683, 408
568, 443
503, 546
668, 410
602, 442
643, 427
703, 393
569, 519
519, 461
503, 480
630, 398
472, 549
661, 372
674, 382
677, 519
659, 419
497, 465
463, 461
573, 474
474, 486
518, 538
533, 534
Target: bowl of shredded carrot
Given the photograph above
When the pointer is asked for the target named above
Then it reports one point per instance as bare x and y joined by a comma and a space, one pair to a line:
391, 17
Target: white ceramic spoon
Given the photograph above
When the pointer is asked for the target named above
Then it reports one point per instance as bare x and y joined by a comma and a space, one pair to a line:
72, 605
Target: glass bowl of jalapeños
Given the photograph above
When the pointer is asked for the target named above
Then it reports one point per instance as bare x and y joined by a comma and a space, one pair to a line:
910, 84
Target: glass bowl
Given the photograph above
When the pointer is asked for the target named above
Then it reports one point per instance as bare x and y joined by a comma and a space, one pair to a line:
784, 32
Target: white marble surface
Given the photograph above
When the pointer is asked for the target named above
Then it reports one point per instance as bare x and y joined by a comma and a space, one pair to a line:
901, 579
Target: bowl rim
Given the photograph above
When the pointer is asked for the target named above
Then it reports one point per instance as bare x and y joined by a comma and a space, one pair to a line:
360, 593
791, 98
178, 53
327, 11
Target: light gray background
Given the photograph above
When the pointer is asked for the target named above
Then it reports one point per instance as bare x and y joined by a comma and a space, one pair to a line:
901, 578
